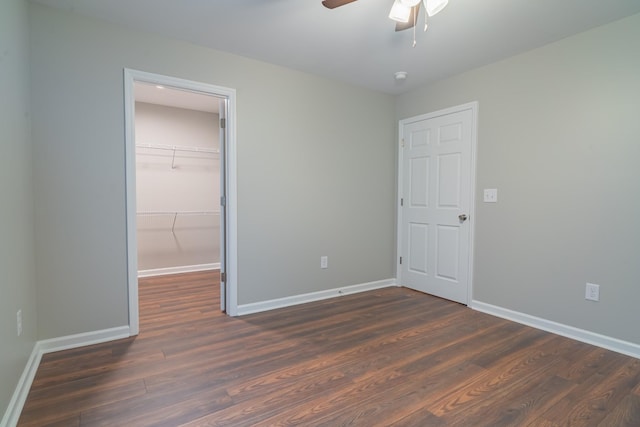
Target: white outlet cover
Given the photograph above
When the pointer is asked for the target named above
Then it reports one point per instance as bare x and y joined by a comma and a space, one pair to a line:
592, 292
490, 195
324, 262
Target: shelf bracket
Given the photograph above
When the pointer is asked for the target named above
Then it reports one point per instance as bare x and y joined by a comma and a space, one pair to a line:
173, 226
173, 159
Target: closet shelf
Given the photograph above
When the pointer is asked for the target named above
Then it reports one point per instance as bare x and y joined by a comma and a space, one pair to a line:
179, 148
156, 213
175, 215
175, 148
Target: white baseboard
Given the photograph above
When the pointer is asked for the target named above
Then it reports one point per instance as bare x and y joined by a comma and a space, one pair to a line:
257, 307
179, 269
12, 414
613, 344
81, 340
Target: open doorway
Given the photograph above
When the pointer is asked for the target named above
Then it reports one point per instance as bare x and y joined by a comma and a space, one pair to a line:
181, 205
177, 135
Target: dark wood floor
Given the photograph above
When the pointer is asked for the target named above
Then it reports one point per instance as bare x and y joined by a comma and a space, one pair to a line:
387, 357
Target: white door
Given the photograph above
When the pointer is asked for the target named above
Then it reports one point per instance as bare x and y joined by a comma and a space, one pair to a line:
436, 182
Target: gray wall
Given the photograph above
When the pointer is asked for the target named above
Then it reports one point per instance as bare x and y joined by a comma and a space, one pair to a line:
17, 286
315, 171
559, 137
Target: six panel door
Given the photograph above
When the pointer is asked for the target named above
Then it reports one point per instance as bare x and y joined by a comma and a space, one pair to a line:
436, 192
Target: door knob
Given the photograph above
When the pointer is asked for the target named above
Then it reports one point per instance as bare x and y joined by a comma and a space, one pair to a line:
462, 217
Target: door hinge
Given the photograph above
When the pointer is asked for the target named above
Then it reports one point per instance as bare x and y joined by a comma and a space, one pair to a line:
402, 142
223, 201
400, 260
223, 123
223, 277
401, 201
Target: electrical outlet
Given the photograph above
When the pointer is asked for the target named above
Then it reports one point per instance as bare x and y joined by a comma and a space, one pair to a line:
19, 322
592, 292
324, 261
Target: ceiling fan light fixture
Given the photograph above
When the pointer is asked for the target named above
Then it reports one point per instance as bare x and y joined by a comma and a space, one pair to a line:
400, 12
434, 6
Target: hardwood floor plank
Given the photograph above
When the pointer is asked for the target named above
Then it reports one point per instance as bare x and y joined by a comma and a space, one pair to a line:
402, 400
590, 403
532, 399
167, 409
625, 414
420, 418
391, 356
515, 369
71, 421
70, 399
587, 363
355, 362
381, 380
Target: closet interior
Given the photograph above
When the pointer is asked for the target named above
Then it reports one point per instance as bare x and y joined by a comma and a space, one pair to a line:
177, 182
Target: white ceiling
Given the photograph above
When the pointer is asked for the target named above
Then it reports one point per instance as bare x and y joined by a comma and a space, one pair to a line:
160, 95
356, 43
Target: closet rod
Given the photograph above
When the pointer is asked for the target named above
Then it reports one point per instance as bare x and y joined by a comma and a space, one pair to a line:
179, 148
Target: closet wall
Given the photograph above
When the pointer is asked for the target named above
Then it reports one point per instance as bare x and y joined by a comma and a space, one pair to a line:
177, 191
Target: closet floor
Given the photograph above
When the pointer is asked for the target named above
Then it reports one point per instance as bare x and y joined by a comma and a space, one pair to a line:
379, 358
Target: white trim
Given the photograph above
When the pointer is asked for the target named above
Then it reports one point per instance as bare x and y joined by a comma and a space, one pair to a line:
176, 270
130, 77
83, 339
231, 219
473, 106
130, 201
257, 307
12, 414
609, 343
472, 206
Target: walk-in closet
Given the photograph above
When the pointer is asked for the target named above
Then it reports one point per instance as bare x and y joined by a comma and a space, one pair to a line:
177, 181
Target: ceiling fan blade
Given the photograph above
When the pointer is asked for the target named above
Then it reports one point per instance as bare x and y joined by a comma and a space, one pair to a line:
332, 4
413, 17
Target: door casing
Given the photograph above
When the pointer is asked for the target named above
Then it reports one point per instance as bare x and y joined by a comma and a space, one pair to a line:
230, 180
473, 106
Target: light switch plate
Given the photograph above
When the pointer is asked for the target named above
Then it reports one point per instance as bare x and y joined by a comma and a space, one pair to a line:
490, 195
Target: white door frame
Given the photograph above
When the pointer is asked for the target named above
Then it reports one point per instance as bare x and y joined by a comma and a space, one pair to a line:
130, 77
473, 106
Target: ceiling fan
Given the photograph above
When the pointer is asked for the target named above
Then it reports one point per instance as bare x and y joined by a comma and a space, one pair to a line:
404, 12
